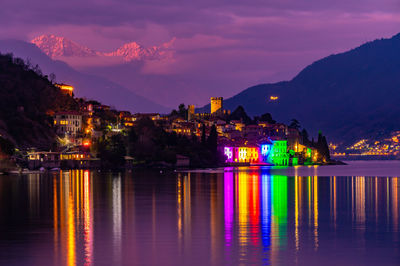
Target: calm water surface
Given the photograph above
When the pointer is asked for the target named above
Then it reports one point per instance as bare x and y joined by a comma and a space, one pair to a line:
332, 215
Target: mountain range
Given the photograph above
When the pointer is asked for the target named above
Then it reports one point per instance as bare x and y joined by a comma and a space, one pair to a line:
57, 47
348, 96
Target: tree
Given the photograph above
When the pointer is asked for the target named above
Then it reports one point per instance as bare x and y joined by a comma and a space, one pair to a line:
212, 140
325, 149
203, 135
240, 114
182, 111
322, 147
52, 77
112, 151
131, 139
294, 123
304, 136
267, 117
174, 113
6, 147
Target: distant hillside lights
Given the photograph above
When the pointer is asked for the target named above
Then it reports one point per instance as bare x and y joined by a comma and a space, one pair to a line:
273, 98
67, 89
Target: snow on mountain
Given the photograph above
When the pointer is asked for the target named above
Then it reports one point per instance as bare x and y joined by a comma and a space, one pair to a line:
56, 47
134, 51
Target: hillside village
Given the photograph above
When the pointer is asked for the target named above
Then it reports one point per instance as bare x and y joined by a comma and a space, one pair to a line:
83, 133
238, 139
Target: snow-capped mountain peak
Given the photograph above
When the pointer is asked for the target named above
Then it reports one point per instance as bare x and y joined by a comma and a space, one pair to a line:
56, 47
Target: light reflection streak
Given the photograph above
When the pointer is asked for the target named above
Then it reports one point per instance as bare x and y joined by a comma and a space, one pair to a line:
266, 214
179, 208
254, 209
334, 201
387, 200
69, 190
315, 198
213, 220
296, 212
72, 202
228, 207
360, 200
55, 218
279, 212
395, 206
242, 203
117, 216
187, 211
309, 199
88, 220
228, 213
376, 200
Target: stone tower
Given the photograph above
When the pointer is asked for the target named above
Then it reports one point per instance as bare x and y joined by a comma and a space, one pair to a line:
216, 105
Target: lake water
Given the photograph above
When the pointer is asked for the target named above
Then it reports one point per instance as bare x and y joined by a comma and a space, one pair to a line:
333, 215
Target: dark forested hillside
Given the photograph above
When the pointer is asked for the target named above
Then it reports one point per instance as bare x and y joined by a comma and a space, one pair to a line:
348, 96
26, 99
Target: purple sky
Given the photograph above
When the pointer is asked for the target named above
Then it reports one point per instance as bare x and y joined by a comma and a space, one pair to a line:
228, 44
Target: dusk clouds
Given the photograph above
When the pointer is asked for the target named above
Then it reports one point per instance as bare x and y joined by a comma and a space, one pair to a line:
221, 47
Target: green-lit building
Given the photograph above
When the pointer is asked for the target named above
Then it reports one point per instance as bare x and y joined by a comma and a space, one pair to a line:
279, 155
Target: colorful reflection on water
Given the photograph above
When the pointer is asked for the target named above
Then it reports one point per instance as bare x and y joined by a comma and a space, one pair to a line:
233, 217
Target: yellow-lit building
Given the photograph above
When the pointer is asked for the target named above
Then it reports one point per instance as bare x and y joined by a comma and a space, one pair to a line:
129, 120
191, 112
68, 123
67, 89
239, 125
216, 105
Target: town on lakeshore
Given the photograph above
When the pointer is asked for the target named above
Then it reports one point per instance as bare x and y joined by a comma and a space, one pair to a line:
94, 135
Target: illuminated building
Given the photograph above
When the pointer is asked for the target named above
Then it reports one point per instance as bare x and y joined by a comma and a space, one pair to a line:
265, 151
73, 160
67, 89
273, 153
43, 159
216, 105
129, 119
68, 123
242, 154
278, 130
228, 152
191, 112
279, 155
239, 125
183, 128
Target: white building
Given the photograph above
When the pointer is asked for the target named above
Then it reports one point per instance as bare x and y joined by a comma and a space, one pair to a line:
68, 123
